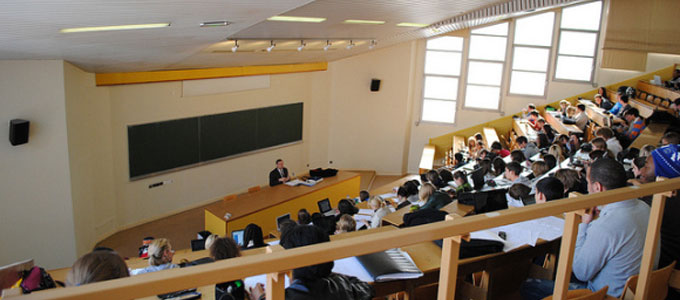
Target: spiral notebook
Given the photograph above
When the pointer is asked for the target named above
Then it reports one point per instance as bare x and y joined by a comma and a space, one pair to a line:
392, 264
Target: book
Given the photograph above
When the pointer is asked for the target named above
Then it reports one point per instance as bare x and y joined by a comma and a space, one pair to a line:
388, 265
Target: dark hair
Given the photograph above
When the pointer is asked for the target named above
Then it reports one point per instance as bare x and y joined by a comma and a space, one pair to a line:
543, 141
278, 160
640, 162
433, 177
300, 236
514, 167
223, 248
551, 187
445, 175
519, 191
364, 195
599, 142
346, 207
534, 113
286, 224
484, 152
581, 107
624, 98
423, 177
532, 106
676, 101
498, 166
539, 168
632, 111
100, 248
549, 132
304, 217
411, 187
479, 137
459, 157
325, 223
550, 160
253, 233
563, 137
518, 156
460, 175
541, 120
672, 137
521, 140
606, 132
603, 92
486, 165
597, 154
402, 192
609, 173
97, 266
496, 146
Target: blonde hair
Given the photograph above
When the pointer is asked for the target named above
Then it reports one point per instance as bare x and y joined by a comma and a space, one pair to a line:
210, 240
571, 111
157, 251
539, 168
97, 266
426, 191
378, 201
556, 150
346, 224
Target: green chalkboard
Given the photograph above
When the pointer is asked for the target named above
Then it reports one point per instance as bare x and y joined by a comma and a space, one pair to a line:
162, 146
167, 145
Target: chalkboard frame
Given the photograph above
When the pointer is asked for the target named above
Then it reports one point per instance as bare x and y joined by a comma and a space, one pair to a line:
219, 159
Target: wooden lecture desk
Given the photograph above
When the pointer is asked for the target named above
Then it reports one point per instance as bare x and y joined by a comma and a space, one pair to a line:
659, 91
490, 136
651, 135
522, 128
264, 206
645, 108
559, 126
595, 113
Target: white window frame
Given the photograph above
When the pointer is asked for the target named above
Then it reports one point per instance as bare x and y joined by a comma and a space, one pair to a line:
503, 71
550, 57
596, 48
425, 75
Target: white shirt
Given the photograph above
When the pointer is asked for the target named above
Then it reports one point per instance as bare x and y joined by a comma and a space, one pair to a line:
581, 120
378, 215
614, 146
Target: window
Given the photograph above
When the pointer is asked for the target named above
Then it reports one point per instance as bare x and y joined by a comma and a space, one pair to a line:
531, 54
443, 59
579, 32
485, 66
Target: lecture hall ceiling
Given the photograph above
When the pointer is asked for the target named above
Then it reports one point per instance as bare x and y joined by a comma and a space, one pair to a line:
30, 29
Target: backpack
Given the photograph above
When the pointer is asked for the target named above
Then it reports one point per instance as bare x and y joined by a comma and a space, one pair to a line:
36, 279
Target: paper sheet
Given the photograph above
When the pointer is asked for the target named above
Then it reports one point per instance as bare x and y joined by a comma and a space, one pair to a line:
528, 232
365, 211
358, 218
250, 282
388, 195
352, 267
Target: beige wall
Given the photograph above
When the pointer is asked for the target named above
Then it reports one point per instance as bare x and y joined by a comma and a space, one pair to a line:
369, 130
88, 120
36, 218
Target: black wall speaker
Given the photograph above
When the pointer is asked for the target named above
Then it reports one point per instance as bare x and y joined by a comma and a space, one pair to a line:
375, 85
18, 131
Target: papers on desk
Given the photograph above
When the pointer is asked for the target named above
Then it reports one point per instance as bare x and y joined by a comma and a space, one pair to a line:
308, 182
524, 233
358, 218
388, 195
352, 267
365, 211
252, 281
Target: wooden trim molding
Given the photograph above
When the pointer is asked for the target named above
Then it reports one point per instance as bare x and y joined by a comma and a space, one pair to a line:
106, 79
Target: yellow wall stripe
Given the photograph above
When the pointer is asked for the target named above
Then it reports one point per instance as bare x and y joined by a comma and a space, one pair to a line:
193, 74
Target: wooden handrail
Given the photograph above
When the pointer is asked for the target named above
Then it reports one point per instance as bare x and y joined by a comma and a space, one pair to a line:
276, 262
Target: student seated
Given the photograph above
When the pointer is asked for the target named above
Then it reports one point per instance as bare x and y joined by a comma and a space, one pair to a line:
528, 148
303, 217
160, 257
345, 224
512, 173
571, 181
325, 223
600, 144
462, 184
613, 144
96, 266
432, 198
433, 178
538, 168
210, 240
446, 176
528, 110
549, 132
317, 281
252, 237
608, 248
581, 118
532, 118
543, 141
498, 165
518, 156
548, 189
602, 102
497, 149
636, 125
550, 160
225, 248
346, 207
540, 125
518, 194
637, 165
670, 138
557, 151
459, 160
621, 106
564, 104
402, 197
488, 170
646, 150
603, 92
364, 196
412, 190
380, 209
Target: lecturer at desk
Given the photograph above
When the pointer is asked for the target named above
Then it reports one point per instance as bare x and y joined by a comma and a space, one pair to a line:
279, 175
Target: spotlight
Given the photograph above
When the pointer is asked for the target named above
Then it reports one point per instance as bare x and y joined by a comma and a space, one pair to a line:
302, 45
233, 49
271, 46
328, 45
351, 45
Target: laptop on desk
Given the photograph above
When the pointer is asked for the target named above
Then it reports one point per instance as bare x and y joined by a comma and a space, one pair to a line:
325, 208
280, 220
237, 235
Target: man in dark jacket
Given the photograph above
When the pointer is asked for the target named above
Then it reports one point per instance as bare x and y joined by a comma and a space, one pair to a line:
279, 175
317, 281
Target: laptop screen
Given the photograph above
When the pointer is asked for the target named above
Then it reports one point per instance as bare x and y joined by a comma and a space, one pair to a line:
237, 235
324, 205
281, 219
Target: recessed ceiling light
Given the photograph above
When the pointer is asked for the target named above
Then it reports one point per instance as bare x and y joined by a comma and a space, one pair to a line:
114, 27
406, 24
296, 19
215, 24
369, 22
